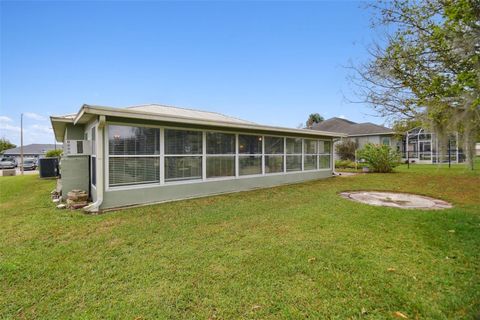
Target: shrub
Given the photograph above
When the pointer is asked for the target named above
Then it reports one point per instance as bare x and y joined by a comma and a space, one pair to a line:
344, 164
345, 149
380, 158
54, 153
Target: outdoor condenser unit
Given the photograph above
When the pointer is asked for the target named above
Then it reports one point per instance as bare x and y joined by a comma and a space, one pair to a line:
77, 148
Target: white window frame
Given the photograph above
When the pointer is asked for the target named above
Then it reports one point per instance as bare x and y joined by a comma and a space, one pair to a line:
237, 155
262, 155
274, 154
202, 155
213, 155
108, 156
315, 141
325, 154
294, 154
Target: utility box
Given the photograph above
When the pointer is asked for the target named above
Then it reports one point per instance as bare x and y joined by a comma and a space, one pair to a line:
48, 167
75, 174
77, 148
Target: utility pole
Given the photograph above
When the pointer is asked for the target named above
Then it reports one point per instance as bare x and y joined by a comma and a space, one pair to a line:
21, 142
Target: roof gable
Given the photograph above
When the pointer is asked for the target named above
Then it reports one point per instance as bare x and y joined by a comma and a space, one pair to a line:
351, 128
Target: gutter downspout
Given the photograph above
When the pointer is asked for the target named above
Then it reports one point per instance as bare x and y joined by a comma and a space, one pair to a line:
332, 160
95, 207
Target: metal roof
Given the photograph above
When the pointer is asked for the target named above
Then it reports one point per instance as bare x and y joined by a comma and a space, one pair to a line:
184, 112
171, 114
351, 128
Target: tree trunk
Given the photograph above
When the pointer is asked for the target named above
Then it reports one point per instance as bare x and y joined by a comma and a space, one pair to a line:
470, 149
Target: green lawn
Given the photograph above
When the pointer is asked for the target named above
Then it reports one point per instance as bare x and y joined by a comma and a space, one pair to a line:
291, 252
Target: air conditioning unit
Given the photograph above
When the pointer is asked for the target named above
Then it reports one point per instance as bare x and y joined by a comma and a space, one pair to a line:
77, 148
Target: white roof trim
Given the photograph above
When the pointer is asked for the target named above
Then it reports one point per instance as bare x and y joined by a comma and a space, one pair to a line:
372, 134
135, 114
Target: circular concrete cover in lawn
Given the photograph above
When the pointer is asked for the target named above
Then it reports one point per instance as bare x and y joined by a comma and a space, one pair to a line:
396, 200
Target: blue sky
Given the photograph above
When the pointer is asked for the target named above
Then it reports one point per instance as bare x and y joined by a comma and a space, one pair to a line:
268, 62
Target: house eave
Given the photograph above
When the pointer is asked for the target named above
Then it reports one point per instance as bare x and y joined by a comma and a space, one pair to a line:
59, 125
371, 134
88, 112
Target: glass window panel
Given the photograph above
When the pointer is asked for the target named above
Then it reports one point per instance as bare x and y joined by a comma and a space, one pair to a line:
220, 166
310, 163
183, 168
273, 164
220, 143
294, 163
328, 146
324, 147
310, 146
249, 144
127, 140
273, 145
324, 162
183, 142
294, 145
250, 165
133, 170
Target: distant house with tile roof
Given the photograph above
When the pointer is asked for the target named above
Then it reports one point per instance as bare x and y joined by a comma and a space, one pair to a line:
34, 150
361, 133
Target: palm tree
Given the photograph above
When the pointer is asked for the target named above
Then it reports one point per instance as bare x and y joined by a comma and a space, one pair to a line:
314, 118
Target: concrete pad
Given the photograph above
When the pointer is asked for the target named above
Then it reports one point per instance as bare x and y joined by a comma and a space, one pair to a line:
345, 174
396, 200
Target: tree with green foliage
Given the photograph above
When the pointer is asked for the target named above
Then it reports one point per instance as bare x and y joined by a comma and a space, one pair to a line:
54, 153
5, 144
429, 68
402, 126
314, 118
345, 149
380, 157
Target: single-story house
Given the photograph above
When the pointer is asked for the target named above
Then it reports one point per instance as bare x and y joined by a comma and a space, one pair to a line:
154, 153
418, 145
361, 133
35, 150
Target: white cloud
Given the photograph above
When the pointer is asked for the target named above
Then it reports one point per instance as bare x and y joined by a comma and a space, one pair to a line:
8, 127
5, 119
36, 128
34, 116
342, 116
31, 134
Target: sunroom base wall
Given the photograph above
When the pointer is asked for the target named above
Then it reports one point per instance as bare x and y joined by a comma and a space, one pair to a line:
171, 192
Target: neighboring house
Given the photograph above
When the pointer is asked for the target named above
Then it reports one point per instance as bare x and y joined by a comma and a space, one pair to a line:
424, 147
361, 133
35, 150
155, 153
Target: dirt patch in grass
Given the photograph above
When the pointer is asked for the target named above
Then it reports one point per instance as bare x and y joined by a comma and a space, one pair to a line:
396, 200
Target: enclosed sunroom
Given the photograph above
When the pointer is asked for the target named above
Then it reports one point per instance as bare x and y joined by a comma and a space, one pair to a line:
422, 146
154, 153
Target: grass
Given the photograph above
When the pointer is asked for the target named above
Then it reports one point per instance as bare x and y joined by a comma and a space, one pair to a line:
289, 252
